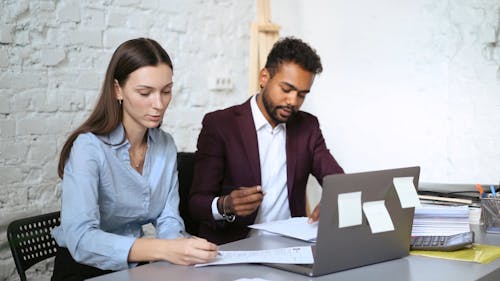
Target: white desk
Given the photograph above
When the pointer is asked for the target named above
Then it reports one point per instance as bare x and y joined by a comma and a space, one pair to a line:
408, 268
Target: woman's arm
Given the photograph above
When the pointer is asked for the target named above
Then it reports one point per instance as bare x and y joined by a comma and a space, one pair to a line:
183, 251
169, 224
80, 214
171, 245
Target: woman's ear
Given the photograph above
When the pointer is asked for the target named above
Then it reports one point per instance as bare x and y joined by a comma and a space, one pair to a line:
118, 90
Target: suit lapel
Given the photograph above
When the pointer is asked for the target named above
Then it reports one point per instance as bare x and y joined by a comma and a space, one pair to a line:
248, 134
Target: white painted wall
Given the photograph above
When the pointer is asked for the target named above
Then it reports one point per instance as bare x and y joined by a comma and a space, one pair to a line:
405, 83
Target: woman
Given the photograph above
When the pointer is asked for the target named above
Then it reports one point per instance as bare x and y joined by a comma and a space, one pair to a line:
119, 172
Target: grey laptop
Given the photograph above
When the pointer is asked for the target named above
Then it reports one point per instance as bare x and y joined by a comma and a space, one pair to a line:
339, 249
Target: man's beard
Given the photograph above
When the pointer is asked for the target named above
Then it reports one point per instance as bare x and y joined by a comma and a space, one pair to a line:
272, 110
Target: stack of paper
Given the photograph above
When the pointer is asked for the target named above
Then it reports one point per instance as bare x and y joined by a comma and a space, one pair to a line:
439, 220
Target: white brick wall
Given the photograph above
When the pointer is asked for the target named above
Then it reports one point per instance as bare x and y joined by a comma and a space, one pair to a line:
53, 55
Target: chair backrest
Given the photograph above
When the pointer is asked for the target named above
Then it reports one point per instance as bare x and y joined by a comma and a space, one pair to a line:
185, 167
30, 240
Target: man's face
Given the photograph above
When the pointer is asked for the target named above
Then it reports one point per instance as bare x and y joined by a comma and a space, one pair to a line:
283, 94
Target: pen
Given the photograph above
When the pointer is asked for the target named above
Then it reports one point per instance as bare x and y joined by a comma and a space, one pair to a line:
480, 189
492, 188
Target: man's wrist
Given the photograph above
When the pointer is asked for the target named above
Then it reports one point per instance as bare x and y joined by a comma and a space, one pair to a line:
215, 212
219, 205
227, 213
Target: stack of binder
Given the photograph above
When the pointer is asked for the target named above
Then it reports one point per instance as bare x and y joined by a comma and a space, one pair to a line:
440, 220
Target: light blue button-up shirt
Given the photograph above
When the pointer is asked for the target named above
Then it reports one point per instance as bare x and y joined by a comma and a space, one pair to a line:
105, 201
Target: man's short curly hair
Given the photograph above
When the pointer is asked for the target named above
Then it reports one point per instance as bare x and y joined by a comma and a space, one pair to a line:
290, 49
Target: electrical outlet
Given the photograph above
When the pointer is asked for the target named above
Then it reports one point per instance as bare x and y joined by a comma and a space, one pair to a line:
220, 84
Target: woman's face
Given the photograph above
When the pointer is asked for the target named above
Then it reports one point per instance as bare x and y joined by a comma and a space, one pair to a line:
146, 95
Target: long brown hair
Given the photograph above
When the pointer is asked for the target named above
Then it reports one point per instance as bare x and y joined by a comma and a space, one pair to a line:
107, 114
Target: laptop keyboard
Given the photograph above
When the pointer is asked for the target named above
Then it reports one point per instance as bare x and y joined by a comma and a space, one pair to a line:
442, 243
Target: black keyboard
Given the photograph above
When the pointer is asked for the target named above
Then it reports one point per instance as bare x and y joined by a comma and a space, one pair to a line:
442, 243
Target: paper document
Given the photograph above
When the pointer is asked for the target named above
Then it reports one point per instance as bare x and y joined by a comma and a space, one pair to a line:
438, 220
378, 217
406, 192
292, 255
350, 209
296, 227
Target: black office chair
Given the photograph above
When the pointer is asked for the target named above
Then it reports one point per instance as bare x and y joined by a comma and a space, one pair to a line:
185, 167
30, 240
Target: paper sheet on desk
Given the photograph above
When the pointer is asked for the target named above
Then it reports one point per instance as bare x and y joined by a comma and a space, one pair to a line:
291, 255
296, 227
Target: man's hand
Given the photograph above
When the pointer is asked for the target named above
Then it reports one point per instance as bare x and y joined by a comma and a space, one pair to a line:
314, 216
244, 200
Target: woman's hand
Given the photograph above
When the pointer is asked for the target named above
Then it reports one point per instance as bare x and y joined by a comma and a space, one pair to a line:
182, 251
189, 251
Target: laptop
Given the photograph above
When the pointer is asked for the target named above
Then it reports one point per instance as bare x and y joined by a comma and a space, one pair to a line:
338, 249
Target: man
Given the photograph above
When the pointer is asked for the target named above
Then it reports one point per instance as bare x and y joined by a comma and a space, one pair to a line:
254, 159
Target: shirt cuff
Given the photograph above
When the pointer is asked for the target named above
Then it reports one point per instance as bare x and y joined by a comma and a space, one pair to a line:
122, 250
215, 211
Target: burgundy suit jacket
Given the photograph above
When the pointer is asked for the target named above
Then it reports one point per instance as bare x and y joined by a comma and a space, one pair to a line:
227, 157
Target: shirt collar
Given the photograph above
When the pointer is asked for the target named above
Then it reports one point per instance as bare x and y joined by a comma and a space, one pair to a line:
259, 120
117, 137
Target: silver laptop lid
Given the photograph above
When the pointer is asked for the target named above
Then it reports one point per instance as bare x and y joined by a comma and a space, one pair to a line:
343, 248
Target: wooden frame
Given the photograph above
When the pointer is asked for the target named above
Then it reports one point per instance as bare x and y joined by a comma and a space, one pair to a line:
263, 34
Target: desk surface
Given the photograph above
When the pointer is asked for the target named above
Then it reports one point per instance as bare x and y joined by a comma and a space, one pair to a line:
407, 268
